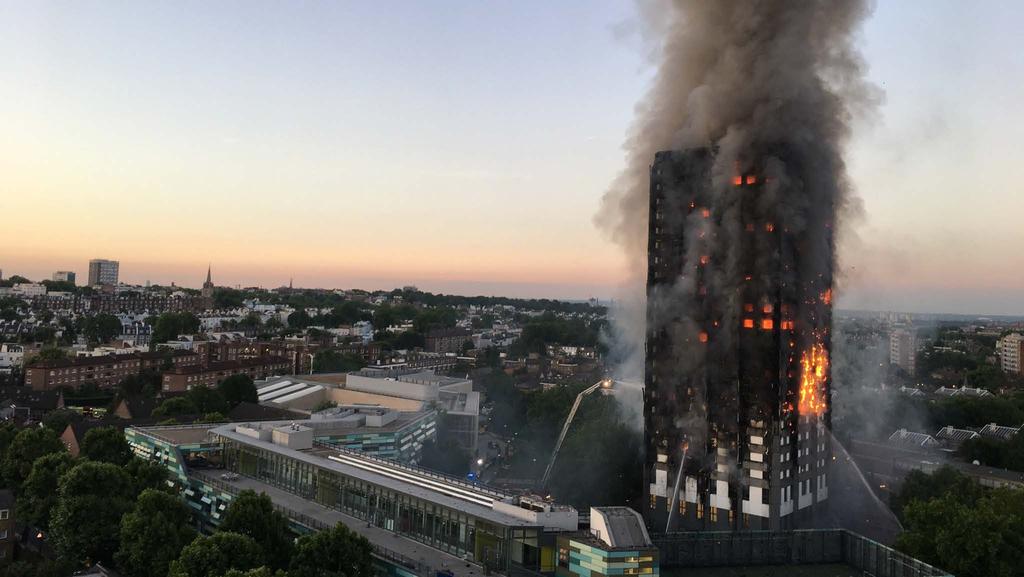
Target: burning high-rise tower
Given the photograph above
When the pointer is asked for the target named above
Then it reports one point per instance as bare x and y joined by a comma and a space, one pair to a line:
736, 400
745, 124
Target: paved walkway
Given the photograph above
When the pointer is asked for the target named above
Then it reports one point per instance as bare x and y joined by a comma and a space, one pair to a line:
298, 508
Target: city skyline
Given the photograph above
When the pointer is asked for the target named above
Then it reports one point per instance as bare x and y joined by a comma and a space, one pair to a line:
342, 161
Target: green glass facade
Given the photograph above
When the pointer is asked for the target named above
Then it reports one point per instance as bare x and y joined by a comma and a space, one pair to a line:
404, 444
587, 557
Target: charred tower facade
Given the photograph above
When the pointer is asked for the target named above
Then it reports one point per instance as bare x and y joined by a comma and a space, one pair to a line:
736, 391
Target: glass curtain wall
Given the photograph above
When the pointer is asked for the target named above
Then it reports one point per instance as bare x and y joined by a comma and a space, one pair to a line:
440, 527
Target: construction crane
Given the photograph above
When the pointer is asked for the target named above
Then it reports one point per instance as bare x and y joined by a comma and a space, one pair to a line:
603, 384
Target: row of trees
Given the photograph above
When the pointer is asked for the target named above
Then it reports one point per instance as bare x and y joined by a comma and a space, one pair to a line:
211, 402
76, 503
110, 507
955, 524
551, 329
253, 540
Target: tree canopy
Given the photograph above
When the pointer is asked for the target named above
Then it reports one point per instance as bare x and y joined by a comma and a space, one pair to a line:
86, 522
38, 494
968, 536
106, 444
331, 361
153, 534
27, 446
217, 554
168, 326
253, 515
100, 328
236, 389
337, 552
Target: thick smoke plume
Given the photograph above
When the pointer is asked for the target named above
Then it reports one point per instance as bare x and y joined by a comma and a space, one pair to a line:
771, 86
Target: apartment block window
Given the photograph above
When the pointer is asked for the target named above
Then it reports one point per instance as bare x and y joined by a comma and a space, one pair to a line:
5, 514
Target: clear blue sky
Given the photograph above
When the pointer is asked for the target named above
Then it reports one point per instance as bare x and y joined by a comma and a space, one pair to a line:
460, 146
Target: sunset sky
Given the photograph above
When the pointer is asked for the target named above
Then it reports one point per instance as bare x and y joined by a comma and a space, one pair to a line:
459, 146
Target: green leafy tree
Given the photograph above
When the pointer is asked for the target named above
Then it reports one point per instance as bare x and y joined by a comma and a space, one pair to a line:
146, 475
299, 319
920, 486
38, 494
146, 383
106, 444
86, 522
979, 539
153, 534
59, 286
101, 328
435, 318
59, 420
384, 316
212, 418
8, 430
207, 400
51, 354
324, 405
227, 298
331, 361
27, 446
254, 516
337, 552
168, 326
238, 388
175, 406
217, 554
346, 313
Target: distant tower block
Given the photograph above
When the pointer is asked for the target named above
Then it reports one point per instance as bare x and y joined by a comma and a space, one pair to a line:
736, 391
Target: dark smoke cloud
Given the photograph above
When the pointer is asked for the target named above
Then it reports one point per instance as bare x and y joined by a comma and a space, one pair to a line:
776, 82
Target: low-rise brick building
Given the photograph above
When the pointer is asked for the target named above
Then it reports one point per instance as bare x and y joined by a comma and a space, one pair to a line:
106, 371
184, 378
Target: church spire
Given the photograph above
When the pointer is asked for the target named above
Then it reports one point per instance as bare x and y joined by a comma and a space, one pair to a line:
209, 279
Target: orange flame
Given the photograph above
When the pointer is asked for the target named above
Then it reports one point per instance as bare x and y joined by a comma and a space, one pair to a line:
826, 297
813, 372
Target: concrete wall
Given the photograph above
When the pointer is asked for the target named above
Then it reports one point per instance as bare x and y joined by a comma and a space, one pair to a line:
391, 387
